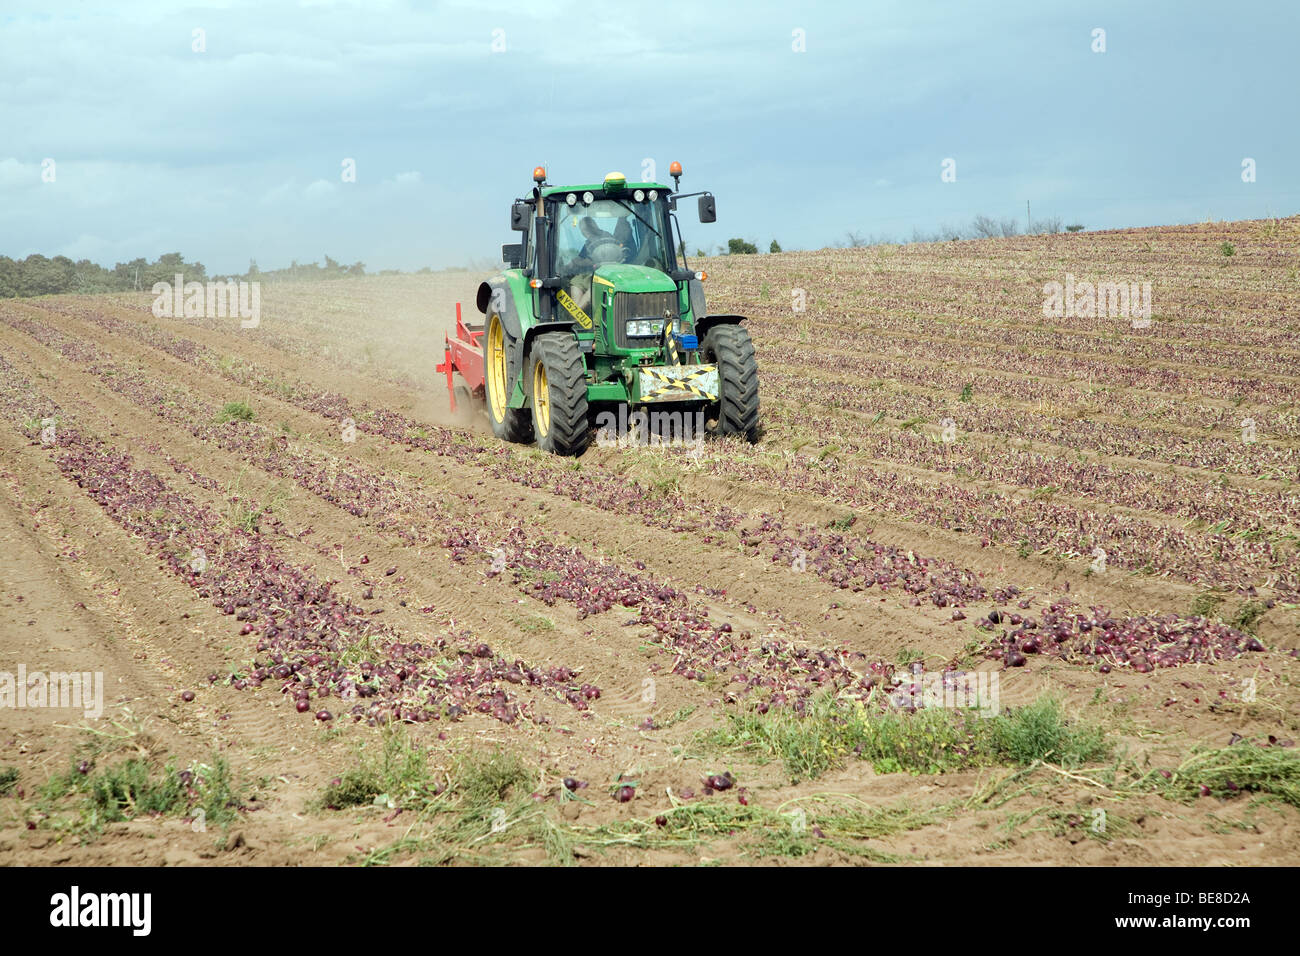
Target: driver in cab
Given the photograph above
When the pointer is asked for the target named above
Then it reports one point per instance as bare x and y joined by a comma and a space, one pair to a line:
585, 246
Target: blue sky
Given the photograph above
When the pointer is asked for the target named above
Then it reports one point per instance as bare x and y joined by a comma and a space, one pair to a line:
236, 152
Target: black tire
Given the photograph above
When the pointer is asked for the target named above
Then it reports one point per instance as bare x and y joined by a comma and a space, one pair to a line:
736, 411
508, 424
557, 379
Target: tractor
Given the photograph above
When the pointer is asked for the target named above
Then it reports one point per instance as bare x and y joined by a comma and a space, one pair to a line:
596, 314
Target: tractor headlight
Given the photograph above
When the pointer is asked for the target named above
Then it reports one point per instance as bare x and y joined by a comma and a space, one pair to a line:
639, 195
654, 194
644, 328
588, 198
571, 198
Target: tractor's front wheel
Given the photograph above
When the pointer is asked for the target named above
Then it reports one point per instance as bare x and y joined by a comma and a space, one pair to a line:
508, 424
558, 377
736, 411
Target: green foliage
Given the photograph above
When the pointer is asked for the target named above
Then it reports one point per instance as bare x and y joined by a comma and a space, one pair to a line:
1205, 604
235, 411
774, 247
1076, 227
39, 275
8, 780
1229, 772
398, 774
135, 787
311, 272
1247, 617
966, 392
930, 740
737, 247
1228, 249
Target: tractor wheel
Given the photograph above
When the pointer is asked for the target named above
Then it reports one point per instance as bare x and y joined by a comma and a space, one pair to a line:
736, 411
508, 424
558, 380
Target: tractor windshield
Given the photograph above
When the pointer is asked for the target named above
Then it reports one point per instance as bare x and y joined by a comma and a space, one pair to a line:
610, 231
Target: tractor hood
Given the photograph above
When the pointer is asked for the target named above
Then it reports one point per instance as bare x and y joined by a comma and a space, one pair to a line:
630, 278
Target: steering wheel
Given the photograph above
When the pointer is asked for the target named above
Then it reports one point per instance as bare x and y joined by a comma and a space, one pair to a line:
606, 249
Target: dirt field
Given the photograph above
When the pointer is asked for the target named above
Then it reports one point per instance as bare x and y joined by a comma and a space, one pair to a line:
1099, 518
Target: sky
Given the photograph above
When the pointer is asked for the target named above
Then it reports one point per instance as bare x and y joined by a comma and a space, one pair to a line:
224, 130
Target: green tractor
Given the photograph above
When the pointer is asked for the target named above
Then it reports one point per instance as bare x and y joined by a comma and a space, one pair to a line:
595, 315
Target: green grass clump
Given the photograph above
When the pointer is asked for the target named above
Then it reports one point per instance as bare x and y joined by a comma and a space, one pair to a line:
398, 774
235, 411
486, 810
8, 780
137, 787
930, 740
1247, 617
1230, 772
1205, 604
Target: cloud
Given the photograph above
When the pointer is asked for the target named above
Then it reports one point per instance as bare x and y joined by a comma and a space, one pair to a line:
320, 189
235, 152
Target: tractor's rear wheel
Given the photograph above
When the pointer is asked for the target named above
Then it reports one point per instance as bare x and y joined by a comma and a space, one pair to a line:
736, 411
558, 380
508, 424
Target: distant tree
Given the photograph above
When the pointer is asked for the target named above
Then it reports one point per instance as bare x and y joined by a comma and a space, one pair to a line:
984, 227
774, 247
1076, 227
739, 247
1009, 227
854, 239
252, 268
1050, 225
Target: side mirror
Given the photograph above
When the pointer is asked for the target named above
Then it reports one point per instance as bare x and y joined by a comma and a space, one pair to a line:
519, 213
708, 211
512, 254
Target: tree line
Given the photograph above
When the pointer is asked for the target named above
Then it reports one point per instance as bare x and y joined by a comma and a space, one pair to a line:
42, 275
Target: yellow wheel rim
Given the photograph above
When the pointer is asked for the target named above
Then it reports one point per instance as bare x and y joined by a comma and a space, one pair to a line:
496, 369
541, 399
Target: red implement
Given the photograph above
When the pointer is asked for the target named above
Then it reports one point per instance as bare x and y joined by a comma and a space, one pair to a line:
464, 354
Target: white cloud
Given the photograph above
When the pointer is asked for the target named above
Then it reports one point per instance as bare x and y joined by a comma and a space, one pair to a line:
320, 189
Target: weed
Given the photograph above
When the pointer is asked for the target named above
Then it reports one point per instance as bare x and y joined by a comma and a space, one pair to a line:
931, 740
1247, 617
397, 776
534, 624
1205, 604
235, 411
